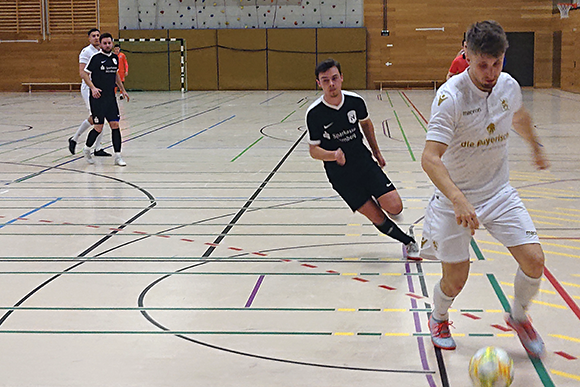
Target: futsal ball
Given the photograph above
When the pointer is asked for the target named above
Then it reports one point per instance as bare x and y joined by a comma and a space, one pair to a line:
491, 367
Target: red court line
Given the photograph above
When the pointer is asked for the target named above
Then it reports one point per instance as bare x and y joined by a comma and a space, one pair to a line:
387, 287
360, 279
415, 107
563, 293
472, 316
565, 355
414, 296
501, 327
308, 265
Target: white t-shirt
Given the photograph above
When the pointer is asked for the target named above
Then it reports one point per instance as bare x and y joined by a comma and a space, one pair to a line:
476, 126
85, 56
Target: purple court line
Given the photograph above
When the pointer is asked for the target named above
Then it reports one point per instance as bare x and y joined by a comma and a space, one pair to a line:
254, 292
420, 341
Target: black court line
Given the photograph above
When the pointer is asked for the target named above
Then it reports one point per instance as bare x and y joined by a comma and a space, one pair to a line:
152, 203
209, 251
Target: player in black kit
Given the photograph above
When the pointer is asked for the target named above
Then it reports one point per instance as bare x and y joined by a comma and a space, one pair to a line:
335, 137
101, 76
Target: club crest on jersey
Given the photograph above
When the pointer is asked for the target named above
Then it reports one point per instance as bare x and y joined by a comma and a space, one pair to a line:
490, 128
103, 68
114, 61
504, 105
351, 116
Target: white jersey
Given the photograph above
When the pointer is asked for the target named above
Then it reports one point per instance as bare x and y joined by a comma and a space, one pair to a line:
476, 126
85, 56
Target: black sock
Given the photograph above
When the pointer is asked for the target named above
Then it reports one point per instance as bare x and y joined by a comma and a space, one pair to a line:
388, 227
92, 137
116, 135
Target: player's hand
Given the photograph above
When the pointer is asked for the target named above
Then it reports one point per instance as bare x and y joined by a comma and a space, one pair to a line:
339, 157
126, 96
96, 92
465, 215
380, 159
540, 160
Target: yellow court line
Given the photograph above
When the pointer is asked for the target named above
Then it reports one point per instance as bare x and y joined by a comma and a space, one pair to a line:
353, 235
549, 193
344, 333
494, 311
551, 292
558, 245
505, 253
552, 212
352, 259
555, 218
574, 339
348, 273
505, 335
549, 197
496, 252
565, 374
545, 303
547, 223
346, 310
567, 209
570, 284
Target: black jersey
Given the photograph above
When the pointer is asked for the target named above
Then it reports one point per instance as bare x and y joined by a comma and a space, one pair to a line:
103, 69
332, 127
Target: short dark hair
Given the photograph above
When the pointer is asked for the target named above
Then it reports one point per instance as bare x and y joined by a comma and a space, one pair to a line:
117, 45
92, 30
326, 65
104, 36
487, 37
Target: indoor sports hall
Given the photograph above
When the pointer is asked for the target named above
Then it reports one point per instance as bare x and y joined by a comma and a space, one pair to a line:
221, 255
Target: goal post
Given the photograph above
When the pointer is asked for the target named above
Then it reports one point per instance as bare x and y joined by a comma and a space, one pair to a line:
152, 58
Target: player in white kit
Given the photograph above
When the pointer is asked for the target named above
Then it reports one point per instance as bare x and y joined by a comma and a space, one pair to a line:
466, 157
84, 57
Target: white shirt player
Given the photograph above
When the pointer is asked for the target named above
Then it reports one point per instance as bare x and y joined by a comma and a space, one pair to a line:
476, 126
85, 56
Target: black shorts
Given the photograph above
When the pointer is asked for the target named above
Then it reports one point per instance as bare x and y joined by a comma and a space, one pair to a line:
357, 188
104, 108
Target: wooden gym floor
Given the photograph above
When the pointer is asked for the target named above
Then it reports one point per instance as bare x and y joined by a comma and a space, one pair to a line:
220, 256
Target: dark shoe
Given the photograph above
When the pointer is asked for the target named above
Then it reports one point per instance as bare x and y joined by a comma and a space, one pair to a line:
72, 144
102, 153
121, 97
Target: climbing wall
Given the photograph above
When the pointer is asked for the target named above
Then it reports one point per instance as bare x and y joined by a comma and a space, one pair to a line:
216, 14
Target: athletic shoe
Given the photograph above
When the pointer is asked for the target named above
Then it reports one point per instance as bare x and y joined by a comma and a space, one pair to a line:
102, 153
411, 250
88, 155
72, 144
440, 335
119, 161
528, 336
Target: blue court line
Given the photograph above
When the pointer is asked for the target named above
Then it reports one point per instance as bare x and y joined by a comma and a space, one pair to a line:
269, 99
200, 132
30, 212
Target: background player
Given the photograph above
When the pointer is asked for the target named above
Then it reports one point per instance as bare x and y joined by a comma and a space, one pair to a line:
84, 56
335, 137
101, 76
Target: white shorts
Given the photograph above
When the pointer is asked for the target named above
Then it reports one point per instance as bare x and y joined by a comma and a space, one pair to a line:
504, 216
86, 92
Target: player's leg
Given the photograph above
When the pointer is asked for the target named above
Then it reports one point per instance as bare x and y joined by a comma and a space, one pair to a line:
444, 239
116, 139
91, 138
512, 225
86, 124
452, 281
375, 214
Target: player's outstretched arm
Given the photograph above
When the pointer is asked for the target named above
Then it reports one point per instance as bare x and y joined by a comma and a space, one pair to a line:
522, 123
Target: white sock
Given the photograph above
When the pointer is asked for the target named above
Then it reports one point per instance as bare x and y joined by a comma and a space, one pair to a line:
117, 155
98, 145
441, 303
84, 126
525, 288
